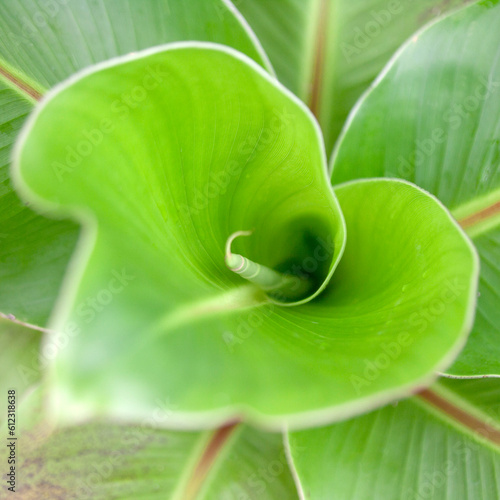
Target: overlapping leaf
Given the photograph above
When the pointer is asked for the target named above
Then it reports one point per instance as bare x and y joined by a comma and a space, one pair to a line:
106, 461
41, 43
217, 146
19, 361
408, 450
329, 51
439, 128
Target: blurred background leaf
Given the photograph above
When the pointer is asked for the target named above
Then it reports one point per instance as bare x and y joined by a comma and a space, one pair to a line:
408, 450
329, 51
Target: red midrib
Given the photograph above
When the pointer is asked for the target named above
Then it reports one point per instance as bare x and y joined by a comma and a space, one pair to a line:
207, 459
319, 59
20, 84
482, 215
479, 427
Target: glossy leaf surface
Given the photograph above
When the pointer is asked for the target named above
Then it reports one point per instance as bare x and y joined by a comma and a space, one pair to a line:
329, 51
409, 450
439, 128
43, 42
110, 461
160, 187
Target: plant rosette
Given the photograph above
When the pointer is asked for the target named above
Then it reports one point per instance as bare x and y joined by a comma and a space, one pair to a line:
329, 304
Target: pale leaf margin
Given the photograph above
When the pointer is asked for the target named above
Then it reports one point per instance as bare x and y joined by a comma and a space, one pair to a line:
88, 234
213, 418
251, 34
388, 66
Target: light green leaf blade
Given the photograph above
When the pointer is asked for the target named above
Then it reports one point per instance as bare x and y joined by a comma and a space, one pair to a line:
410, 450
225, 153
19, 365
33, 250
42, 43
482, 353
482, 395
387, 310
152, 291
254, 466
439, 128
48, 42
329, 51
106, 461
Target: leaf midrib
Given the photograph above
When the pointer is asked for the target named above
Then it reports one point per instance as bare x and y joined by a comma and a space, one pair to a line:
472, 222
205, 461
319, 48
236, 299
20, 82
466, 418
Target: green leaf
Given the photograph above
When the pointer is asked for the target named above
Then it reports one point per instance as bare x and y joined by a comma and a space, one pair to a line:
33, 250
482, 353
46, 42
167, 272
222, 147
109, 461
19, 361
438, 127
255, 466
409, 450
43, 42
329, 51
481, 395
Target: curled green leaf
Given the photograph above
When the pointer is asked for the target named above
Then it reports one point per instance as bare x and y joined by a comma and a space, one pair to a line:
150, 309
